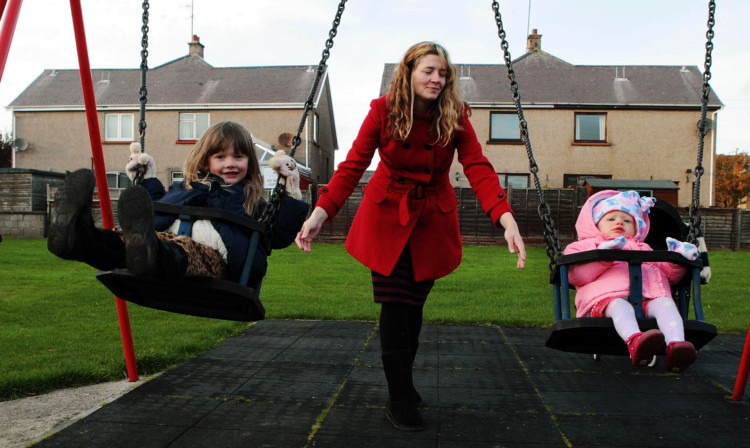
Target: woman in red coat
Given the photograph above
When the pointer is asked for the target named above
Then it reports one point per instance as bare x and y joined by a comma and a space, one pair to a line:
406, 229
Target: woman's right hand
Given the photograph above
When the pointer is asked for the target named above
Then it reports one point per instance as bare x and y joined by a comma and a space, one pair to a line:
311, 228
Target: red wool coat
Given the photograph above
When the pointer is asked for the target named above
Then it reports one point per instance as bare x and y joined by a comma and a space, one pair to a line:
409, 198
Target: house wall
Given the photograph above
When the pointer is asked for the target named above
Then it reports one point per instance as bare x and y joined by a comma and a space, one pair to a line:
642, 144
59, 141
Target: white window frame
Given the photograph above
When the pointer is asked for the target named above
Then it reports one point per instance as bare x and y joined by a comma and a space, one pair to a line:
122, 134
580, 125
194, 127
176, 176
316, 127
503, 177
497, 128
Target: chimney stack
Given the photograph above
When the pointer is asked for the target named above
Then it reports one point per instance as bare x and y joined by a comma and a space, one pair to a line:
196, 47
534, 42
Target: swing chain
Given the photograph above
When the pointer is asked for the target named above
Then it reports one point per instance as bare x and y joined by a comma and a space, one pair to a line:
143, 98
703, 128
544, 211
271, 212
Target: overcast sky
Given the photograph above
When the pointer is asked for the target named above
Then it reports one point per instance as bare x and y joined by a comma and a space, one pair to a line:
293, 32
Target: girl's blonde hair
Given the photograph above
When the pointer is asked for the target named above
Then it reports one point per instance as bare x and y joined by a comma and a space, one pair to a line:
449, 108
215, 140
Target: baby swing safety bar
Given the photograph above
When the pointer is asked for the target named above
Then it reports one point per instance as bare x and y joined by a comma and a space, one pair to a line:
597, 335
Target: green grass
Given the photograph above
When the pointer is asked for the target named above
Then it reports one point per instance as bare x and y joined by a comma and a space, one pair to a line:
59, 327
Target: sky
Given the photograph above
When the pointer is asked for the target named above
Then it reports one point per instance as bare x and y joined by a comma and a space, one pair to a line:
372, 33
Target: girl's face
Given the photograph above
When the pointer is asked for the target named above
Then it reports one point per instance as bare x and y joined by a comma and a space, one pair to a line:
229, 165
428, 80
616, 223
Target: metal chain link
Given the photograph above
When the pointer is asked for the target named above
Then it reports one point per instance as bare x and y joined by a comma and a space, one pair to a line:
271, 213
694, 212
544, 211
143, 98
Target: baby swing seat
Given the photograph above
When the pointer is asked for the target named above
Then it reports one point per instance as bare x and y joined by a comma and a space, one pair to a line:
597, 335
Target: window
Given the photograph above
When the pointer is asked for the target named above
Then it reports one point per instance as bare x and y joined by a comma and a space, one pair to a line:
118, 127
591, 127
504, 127
118, 180
176, 176
316, 127
513, 180
577, 180
193, 125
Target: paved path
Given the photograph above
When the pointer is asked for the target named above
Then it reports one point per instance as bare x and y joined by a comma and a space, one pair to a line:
320, 384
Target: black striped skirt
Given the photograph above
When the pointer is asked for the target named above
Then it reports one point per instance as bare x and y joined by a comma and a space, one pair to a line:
400, 287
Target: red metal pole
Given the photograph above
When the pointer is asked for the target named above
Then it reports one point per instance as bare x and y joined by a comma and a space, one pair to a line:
101, 172
9, 27
742, 373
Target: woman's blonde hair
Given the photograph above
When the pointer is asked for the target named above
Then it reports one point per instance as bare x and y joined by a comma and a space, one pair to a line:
445, 117
215, 140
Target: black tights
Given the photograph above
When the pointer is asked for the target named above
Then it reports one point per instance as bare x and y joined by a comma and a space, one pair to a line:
400, 325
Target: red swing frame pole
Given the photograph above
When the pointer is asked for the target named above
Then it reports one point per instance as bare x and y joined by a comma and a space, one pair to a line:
742, 373
9, 27
101, 172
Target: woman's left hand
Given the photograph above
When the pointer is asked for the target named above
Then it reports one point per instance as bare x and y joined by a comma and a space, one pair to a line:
513, 237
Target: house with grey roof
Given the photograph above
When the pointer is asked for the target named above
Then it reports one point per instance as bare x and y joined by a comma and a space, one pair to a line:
185, 96
588, 121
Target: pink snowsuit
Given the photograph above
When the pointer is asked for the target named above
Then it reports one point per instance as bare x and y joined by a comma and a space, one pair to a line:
598, 283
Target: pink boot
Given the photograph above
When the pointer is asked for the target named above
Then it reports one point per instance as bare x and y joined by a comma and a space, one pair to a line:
680, 355
643, 346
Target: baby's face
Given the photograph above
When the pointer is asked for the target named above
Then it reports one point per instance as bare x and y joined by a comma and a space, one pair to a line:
617, 223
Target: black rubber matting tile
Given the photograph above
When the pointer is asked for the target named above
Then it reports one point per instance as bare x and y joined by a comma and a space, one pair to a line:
661, 382
577, 381
215, 367
491, 362
348, 345
492, 400
88, 433
191, 386
487, 334
241, 352
342, 329
263, 416
155, 410
597, 403
313, 372
630, 431
370, 421
311, 356
277, 328
498, 427
357, 394
278, 391
389, 439
715, 405
474, 377
235, 438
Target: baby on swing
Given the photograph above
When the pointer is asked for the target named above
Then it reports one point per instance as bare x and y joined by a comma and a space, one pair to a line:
221, 171
619, 220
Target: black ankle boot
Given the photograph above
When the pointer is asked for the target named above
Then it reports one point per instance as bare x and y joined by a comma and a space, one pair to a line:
145, 253
401, 409
72, 233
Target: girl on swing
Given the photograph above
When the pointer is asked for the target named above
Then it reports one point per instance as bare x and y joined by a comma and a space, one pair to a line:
406, 228
619, 220
221, 171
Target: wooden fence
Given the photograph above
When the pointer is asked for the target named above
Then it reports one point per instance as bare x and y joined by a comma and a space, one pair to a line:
722, 228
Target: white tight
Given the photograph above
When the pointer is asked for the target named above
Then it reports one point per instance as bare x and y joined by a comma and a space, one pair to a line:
668, 319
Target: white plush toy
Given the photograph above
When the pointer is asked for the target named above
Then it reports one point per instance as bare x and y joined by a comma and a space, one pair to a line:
140, 162
286, 168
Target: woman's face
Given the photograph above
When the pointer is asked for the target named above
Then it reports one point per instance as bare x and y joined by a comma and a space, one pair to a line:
229, 165
428, 80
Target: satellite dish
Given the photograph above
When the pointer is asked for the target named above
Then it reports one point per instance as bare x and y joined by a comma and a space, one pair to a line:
20, 145
285, 140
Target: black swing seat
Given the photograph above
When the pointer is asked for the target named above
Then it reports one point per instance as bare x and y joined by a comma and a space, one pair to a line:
597, 335
203, 297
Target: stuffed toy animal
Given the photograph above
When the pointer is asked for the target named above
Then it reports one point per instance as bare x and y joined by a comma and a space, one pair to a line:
140, 162
286, 168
